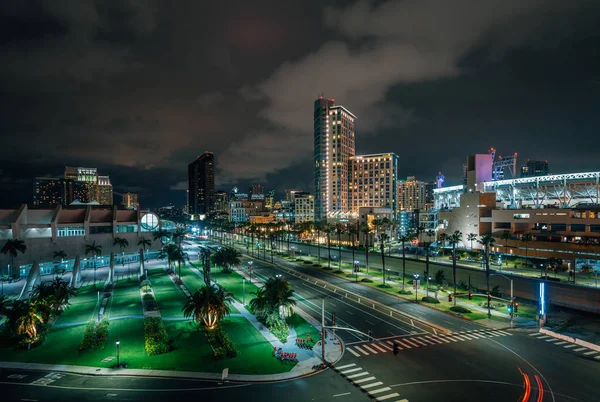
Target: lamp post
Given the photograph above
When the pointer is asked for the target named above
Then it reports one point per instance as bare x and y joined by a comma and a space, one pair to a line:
512, 299
356, 266
244, 291
416, 283
118, 343
250, 271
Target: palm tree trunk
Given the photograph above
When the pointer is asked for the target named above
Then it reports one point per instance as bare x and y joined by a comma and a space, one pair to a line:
426, 273
367, 251
318, 246
383, 260
454, 270
353, 259
339, 252
403, 266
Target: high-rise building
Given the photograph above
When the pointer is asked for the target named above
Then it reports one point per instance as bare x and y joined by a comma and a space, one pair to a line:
130, 201
201, 184
256, 189
412, 194
269, 200
105, 191
334, 129
304, 208
373, 181
221, 201
47, 192
535, 168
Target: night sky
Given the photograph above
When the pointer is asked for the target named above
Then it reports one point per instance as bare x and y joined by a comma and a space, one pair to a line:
139, 88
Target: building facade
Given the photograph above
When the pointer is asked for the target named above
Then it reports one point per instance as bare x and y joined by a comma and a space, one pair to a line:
334, 131
221, 201
304, 208
201, 185
47, 192
535, 168
412, 194
79, 185
373, 181
130, 201
105, 191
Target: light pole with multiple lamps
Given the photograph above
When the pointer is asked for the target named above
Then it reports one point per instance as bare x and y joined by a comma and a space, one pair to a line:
512, 299
416, 283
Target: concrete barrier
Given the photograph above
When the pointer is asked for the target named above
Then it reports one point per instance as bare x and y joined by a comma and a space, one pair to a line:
570, 339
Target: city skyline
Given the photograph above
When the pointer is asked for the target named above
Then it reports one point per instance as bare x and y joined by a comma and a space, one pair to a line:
498, 83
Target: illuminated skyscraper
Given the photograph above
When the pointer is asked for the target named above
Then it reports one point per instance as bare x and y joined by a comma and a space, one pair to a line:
130, 201
334, 129
47, 192
105, 191
373, 181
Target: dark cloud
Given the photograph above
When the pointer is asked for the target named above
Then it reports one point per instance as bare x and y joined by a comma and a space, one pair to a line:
140, 88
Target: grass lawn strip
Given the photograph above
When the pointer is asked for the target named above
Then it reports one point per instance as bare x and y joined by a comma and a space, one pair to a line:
194, 282
84, 306
126, 299
169, 297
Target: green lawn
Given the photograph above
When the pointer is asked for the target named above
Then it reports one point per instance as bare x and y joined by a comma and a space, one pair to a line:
233, 283
302, 327
194, 282
169, 297
126, 299
83, 307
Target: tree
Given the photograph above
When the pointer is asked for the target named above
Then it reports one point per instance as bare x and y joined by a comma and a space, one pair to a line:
59, 255
145, 243
178, 236
207, 304
160, 234
170, 251
527, 237
339, 229
55, 295
122, 243
146, 284
366, 230
506, 237
352, 231
471, 237
95, 250
430, 233
260, 304
27, 323
409, 236
178, 256
280, 296
327, 228
383, 237
455, 238
205, 255
487, 240
226, 258
12, 247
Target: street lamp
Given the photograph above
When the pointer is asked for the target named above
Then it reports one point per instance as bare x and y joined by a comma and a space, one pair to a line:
244, 291
356, 267
250, 271
416, 284
118, 343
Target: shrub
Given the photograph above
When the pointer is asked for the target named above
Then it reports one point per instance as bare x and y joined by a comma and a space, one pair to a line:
307, 262
384, 286
327, 268
366, 280
155, 334
95, 335
149, 302
219, 353
317, 265
440, 276
460, 309
299, 259
429, 299
405, 292
339, 271
220, 340
147, 297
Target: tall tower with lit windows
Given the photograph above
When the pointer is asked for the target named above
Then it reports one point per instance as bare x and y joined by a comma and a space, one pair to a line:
334, 129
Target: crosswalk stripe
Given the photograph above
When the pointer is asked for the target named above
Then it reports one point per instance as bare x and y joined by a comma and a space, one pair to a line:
369, 349
569, 346
371, 385
470, 337
377, 391
403, 400
536, 334
386, 346
358, 375
363, 380
410, 342
440, 338
419, 341
597, 357
406, 345
451, 338
361, 351
552, 340
390, 342
478, 336
379, 348
579, 349
544, 337
345, 366
593, 352
433, 339
351, 370
353, 352
429, 341
560, 343
460, 337
505, 333
383, 398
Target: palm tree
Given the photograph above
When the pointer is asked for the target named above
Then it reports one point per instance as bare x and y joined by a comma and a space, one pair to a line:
26, 324
327, 228
455, 238
260, 305
352, 231
123, 244
506, 237
170, 251
207, 304
178, 236
339, 229
366, 230
527, 237
280, 295
59, 255
205, 253
430, 233
95, 250
12, 248
471, 237
487, 240
145, 243
55, 295
383, 237
226, 258
409, 236
178, 256
160, 234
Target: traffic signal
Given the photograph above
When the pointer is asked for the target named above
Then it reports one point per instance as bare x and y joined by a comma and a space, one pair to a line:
395, 348
510, 308
516, 307
370, 336
450, 297
470, 295
489, 297
333, 318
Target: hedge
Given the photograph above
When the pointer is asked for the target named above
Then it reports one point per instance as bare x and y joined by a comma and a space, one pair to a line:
155, 334
429, 299
224, 345
95, 336
149, 302
460, 309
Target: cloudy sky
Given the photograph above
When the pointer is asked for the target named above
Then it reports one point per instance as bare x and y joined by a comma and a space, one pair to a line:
139, 88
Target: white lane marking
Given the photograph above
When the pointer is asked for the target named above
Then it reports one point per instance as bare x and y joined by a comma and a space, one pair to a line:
378, 391
345, 393
371, 385
353, 352
409, 342
359, 374
345, 366
433, 339
361, 351
505, 333
579, 349
552, 340
351, 370
560, 343
379, 347
349, 312
569, 346
369, 322
383, 398
593, 352
597, 357
544, 337
387, 347
370, 349
536, 334
363, 380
